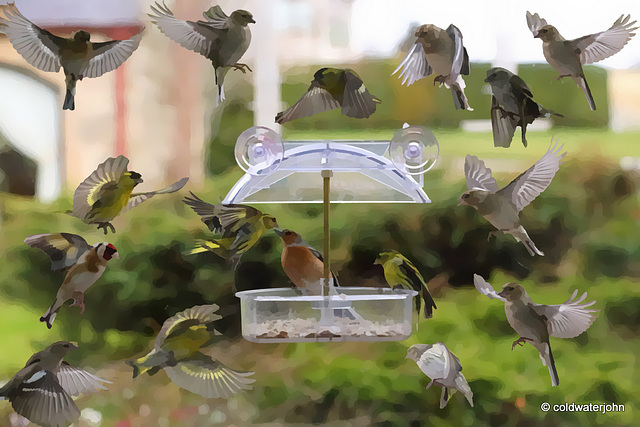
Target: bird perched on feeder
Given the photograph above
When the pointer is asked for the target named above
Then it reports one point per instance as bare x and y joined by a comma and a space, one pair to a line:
443, 367
502, 206
241, 226
220, 38
78, 56
400, 273
440, 52
568, 56
535, 323
107, 192
512, 105
333, 88
86, 264
177, 351
42, 390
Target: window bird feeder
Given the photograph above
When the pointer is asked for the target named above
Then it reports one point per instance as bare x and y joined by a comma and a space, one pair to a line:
330, 172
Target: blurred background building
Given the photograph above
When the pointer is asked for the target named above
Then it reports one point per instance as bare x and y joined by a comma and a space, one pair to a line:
157, 109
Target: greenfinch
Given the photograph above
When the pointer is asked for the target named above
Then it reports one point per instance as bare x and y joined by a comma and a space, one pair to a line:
220, 38
177, 352
333, 88
568, 56
241, 226
108, 191
400, 273
78, 56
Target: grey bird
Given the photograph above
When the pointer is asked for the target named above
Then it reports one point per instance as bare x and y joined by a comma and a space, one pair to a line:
535, 323
512, 105
440, 52
502, 206
443, 367
220, 38
42, 390
568, 56
78, 57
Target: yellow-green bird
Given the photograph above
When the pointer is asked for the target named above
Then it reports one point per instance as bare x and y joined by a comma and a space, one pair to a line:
177, 351
241, 227
401, 273
333, 88
108, 191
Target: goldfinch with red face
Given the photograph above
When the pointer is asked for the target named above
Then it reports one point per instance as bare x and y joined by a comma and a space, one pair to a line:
108, 191
177, 352
241, 227
87, 263
77, 56
42, 390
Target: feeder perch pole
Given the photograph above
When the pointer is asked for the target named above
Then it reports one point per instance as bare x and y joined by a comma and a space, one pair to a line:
326, 184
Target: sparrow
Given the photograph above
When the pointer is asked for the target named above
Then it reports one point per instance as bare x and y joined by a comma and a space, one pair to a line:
78, 56
304, 266
42, 390
512, 105
241, 226
86, 264
177, 351
107, 192
440, 52
568, 56
333, 88
535, 323
400, 273
502, 206
220, 38
443, 367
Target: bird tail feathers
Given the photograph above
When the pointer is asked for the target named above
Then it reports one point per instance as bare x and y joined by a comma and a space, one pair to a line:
521, 236
463, 386
459, 97
547, 360
444, 397
582, 83
69, 99
203, 246
50, 315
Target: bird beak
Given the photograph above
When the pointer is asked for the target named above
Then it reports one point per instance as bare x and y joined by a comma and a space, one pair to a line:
461, 202
279, 232
501, 293
537, 36
115, 255
486, 80
376, 262
406, 357
252, 21
73, 343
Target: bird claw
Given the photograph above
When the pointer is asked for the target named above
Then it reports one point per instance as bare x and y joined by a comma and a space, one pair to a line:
562, 75
429, 385
105, 225
242, 67
78, 301
520, 341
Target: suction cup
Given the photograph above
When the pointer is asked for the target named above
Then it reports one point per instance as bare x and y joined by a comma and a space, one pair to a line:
414, 150
259, 150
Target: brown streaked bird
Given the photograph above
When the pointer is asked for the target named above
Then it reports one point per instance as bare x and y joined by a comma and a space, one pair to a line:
107, 192
42, 390
568, 56
439, 52
333, 88
220, 38
86, 264
535, 323
512, 105
502, 206
78, 56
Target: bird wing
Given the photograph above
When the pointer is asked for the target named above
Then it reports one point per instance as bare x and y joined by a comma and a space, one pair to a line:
208, 212
43, 401
452, 363
460, 62
38, 47
217, 18
64, 249
103, 179
107, 56
201, 314
318, 255
315, 100
357, 101
534, 22
76, 381
526, 187
233, 218
196, 36
208, 377
136, 199
569, 319
414, 66
485, 288
598, 46
478, 175
503, 125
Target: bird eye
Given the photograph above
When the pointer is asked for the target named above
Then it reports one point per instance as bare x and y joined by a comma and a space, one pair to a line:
543, 31
509, 288
465, 196
288, 233
66, 345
